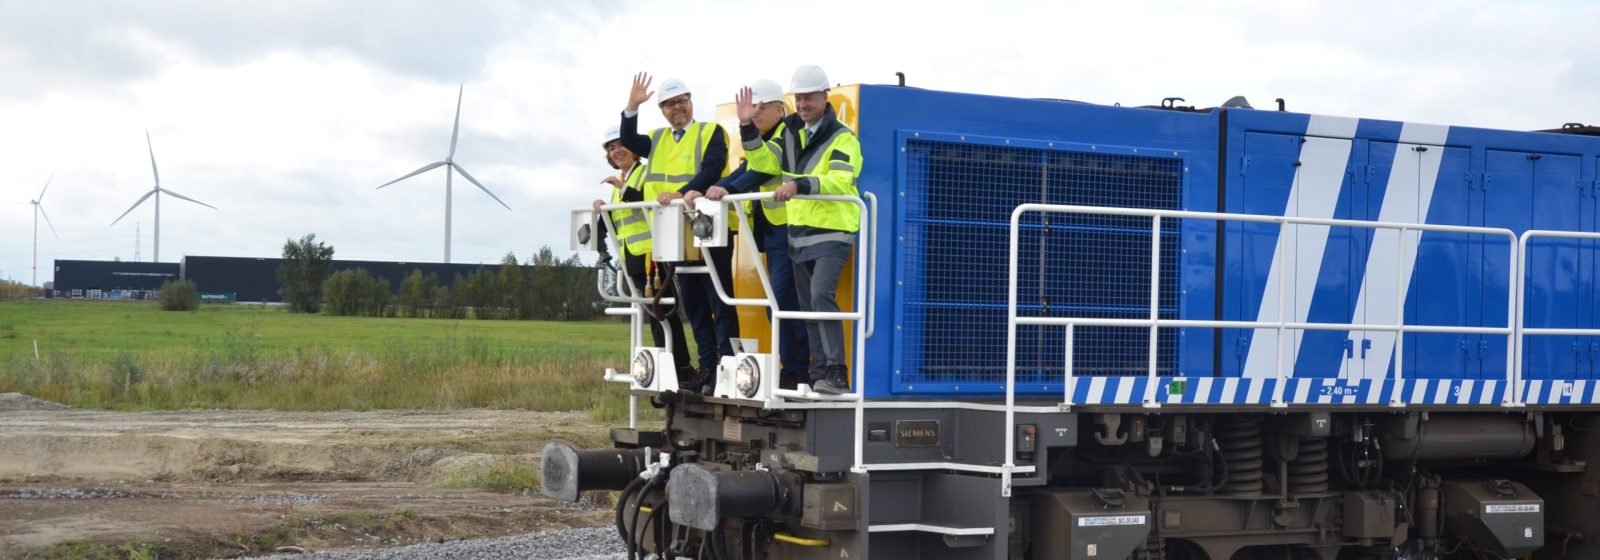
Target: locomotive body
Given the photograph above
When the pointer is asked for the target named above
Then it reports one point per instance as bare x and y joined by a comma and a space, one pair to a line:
1092, 332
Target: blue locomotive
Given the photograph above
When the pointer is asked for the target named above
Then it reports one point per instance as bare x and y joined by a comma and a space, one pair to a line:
1159, 332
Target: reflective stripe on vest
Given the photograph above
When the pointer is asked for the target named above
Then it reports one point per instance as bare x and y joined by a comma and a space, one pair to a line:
774, 210
633, 225
673, 163
827, 214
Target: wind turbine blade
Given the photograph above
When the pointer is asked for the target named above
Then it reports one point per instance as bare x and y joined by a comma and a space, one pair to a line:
424, 168
135, 205
152, 147
188, 199
40, 207
485, 190
46, 186
456, 130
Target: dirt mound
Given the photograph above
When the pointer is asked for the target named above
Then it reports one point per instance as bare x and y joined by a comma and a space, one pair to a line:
221, 483
19, 401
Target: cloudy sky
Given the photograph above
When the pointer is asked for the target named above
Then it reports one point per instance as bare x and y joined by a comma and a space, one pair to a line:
286, 114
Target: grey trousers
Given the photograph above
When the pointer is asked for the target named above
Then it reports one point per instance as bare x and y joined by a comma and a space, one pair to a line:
815, 283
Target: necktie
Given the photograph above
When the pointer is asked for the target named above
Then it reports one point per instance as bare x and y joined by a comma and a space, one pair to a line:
677, 135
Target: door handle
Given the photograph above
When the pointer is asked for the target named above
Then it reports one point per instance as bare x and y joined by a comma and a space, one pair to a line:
1366, 344
1349, 348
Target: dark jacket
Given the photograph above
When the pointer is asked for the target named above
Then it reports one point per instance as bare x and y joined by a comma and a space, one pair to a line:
711, 163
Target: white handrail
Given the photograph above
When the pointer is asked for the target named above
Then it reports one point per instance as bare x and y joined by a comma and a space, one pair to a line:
1154, 322
866, 293
862, 302
1516, 353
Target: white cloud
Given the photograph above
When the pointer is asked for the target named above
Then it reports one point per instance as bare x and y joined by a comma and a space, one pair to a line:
287, 116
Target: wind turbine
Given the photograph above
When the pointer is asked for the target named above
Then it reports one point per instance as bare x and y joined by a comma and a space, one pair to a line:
157, 192
450, 168
38, 210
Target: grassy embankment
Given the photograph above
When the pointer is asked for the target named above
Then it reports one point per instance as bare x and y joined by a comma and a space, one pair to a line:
131, 356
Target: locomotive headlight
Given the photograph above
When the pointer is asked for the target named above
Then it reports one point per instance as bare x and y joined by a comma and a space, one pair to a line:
584, 234
747, 377
703, 225
644, 368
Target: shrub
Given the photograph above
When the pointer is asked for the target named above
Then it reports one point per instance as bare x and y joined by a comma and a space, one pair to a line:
305, 266
178, 295
355, 292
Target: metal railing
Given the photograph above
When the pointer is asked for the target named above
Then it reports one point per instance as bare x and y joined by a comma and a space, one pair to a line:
1154, 322
1521, 303
865, 297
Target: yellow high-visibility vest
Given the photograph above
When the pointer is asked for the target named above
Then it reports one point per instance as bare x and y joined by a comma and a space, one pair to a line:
835, 168
633, 226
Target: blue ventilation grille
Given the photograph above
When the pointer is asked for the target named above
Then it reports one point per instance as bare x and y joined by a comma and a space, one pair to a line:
958, 204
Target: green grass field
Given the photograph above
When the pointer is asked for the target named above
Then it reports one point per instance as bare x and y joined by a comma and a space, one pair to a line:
130, 355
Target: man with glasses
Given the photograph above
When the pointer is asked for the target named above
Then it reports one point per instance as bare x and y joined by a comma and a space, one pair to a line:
687, 156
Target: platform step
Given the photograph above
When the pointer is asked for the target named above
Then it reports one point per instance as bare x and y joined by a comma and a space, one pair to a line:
927, 528
947, 466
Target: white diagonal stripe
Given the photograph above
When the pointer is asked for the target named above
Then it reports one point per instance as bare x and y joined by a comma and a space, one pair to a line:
1419, 392
1230, 388
1412, 178
1303, 392
1124, 389
1324, 158
1097, 389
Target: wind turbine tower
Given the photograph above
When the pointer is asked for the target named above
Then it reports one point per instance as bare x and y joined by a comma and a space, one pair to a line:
450, 169
38, 210
156, 191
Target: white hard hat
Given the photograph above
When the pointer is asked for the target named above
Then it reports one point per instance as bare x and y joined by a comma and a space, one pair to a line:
807, 79
672, 87
765, 91
613, 133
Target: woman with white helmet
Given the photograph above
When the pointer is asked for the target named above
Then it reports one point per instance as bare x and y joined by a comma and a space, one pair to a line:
633, 235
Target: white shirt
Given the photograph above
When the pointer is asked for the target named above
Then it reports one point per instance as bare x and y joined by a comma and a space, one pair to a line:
811, 129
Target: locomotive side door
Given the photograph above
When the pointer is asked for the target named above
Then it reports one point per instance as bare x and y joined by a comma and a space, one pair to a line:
1525, 191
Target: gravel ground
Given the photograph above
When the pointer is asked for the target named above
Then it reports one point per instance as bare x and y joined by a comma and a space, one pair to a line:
598, 543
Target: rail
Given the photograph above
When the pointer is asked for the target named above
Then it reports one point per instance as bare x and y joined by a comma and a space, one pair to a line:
1154, 322
866, 297
1522, 291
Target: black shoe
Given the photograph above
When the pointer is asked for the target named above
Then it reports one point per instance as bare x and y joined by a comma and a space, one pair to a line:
704, 382
788, 379
686, 375
837, 381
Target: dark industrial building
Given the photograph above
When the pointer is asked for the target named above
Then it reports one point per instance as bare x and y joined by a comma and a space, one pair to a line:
111, 279
249, 279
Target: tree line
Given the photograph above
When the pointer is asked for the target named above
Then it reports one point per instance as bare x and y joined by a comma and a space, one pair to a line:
10, 289
543, 288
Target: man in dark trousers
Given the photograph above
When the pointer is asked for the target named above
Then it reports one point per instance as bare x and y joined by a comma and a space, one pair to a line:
772, 233
816, 155
687, 156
